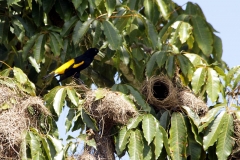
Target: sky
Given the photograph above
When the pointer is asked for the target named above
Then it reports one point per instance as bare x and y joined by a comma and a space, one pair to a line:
224, 17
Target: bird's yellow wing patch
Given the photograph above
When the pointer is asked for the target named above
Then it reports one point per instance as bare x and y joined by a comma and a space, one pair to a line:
77, 65
62, 68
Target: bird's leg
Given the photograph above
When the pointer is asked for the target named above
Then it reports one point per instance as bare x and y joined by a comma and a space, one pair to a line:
76, 76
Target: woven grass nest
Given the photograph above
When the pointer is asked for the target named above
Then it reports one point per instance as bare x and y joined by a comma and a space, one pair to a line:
187, 98
160, 93
107, 108
236, 147
18, 112
111, 106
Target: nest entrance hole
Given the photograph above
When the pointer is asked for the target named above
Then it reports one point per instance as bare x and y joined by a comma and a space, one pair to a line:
160, 90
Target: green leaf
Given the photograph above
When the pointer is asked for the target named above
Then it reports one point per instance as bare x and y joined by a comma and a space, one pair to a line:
34, 64
134, 122
213, 130
46, 147
152, 33
209, 117
64, 9
139, 99
135, 146
56, 143
58, 101
72, 95
132, 4
56, 43
163, 8
112, 35
37, 13
47, 5
70, 119
78, 123
80, 30
122, 23
178, 137
20, 76
194, 58
38, 48
198, 79
194, 148
191, 9
28, 46
213, 84
122, 140
185, 31
217, 48
194, 117
202, 35
225, 140
149, 127
231, 74
100, 93
165, 140
124, 55
151, 64
185, 65
148, 8
161, 58
165, 119
34, 143
76, 3
170, 66
110, 6
158, 141
68, 25
147, 151
236, 81
4, 28
91, 123
138, 69
90, 142
97, 34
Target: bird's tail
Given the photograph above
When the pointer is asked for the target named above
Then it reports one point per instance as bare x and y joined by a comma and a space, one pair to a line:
49, 75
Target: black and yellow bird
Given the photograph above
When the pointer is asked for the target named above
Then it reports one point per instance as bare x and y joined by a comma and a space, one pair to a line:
74, 66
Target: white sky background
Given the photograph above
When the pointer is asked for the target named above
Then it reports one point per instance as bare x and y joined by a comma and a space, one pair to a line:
225, 18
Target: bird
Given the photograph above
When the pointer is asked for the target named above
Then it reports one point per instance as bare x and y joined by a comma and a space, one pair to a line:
74, 66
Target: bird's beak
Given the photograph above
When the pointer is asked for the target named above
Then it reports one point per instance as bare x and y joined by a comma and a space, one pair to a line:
101, 54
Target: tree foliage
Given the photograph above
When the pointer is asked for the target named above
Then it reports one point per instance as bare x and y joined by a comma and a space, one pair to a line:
138, 39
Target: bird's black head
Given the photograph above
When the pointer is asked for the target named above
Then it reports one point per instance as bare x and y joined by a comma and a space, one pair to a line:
92, 51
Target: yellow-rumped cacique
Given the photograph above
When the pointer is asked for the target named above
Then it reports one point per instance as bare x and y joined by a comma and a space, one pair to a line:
74, 66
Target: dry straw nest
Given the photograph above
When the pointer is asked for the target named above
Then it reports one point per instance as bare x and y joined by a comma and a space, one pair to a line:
236, 148
196, 104
114, 107
15, 118
161, 93
107, 108
86, 156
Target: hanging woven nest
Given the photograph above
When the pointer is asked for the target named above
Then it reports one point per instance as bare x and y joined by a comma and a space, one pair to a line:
161, 93
107, 108
86, 156
106, 105
236, 148
187, 98
18, 113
